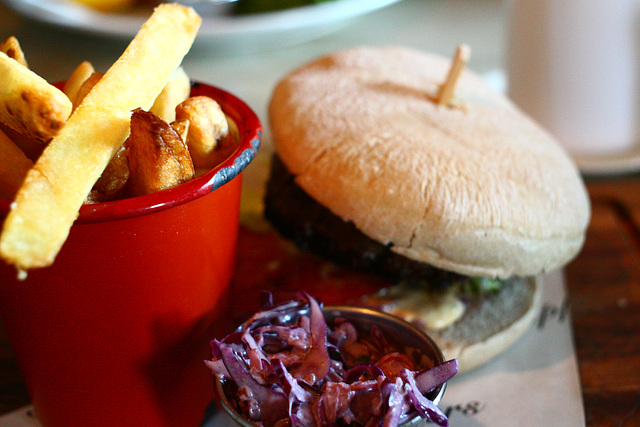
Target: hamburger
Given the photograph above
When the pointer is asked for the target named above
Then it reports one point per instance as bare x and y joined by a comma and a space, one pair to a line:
459, 206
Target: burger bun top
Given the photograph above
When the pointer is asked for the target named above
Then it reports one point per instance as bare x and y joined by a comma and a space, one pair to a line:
475, 187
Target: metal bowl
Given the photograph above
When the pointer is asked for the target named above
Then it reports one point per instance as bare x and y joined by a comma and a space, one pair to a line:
397, 331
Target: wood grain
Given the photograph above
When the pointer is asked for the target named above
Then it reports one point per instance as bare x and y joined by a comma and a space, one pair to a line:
604, 293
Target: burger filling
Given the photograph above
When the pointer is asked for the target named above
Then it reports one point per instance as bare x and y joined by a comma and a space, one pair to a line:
427, 295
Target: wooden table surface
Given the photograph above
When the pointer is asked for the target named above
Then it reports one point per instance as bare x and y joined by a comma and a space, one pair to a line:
604, 295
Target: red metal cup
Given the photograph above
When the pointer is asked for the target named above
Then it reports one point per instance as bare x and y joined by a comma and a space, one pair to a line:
116, 330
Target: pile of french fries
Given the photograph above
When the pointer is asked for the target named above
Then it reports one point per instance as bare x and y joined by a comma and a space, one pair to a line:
131, 131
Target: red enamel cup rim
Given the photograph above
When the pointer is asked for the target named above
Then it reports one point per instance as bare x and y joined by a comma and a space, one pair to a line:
249, 135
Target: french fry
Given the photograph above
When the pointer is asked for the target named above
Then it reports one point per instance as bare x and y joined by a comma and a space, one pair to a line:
11, 47
158, 157
14, 166
53, 191
207, 123
175, 91
75, 81
86, 87
28, 103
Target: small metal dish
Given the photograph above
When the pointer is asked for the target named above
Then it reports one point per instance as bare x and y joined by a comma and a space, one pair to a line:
397, 331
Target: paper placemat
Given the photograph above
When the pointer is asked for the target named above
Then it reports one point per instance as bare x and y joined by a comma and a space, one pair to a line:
534, 383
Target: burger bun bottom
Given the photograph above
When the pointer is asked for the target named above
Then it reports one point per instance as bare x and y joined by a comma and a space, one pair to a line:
491, 324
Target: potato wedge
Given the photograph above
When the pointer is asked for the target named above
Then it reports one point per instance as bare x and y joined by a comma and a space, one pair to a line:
11, 47
28, 103
207, 124
176, 90
182, 127
14, 166
76, 80
32, 148
54, 189
112, 182
158, 157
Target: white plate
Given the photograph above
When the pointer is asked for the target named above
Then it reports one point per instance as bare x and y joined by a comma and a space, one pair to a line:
623, 163
238, 33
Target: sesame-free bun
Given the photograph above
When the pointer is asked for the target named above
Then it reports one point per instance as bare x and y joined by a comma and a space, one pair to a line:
475, 187
492, 324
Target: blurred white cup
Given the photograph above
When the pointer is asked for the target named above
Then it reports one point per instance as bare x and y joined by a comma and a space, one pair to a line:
573, 66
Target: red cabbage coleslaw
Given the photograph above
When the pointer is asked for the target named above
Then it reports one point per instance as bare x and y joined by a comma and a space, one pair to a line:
287, 365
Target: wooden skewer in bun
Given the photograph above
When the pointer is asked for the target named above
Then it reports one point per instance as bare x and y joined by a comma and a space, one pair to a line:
447, 89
